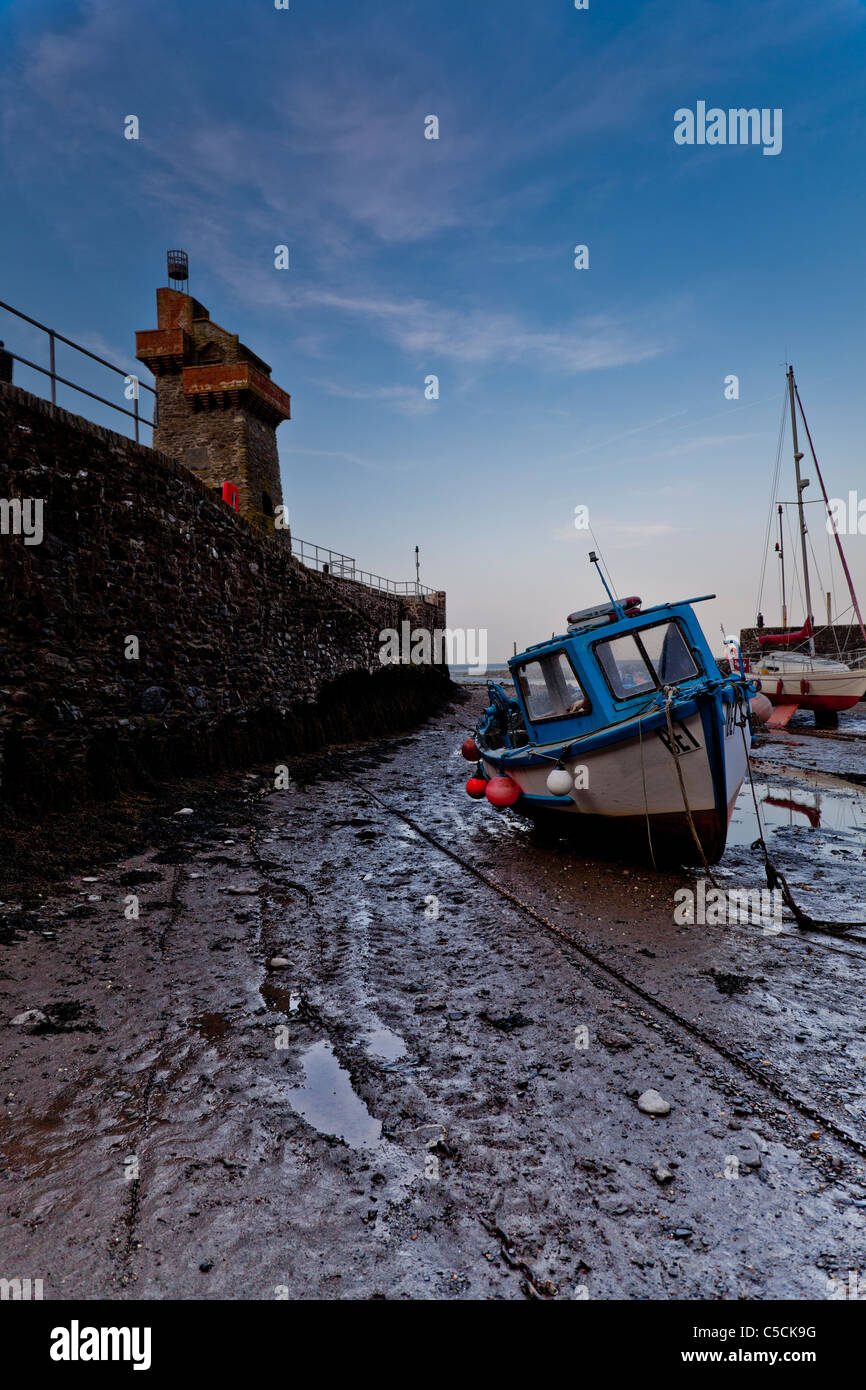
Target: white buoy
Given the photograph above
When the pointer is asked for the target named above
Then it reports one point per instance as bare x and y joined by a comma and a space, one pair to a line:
559, 782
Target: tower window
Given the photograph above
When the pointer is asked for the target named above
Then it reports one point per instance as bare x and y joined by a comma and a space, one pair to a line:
267, 505
210, 355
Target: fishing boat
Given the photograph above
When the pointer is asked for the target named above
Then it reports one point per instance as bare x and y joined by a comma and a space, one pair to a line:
787, 669
624, 725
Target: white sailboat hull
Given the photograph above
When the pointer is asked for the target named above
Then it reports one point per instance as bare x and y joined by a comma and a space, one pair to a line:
810, 682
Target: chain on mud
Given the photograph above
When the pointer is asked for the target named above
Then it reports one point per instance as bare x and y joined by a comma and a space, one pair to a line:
774, 1087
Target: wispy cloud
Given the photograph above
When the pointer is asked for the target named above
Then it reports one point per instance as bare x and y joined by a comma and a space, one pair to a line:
356, 460
479, 336
627, 434
616, 535
706, 441
410, 400
630, 537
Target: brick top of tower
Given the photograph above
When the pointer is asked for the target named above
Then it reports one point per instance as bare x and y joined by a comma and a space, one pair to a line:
214, 363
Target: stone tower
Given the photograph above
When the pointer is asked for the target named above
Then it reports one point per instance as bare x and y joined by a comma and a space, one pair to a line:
218, 408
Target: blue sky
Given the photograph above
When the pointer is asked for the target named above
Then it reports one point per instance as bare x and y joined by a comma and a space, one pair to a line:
409, 257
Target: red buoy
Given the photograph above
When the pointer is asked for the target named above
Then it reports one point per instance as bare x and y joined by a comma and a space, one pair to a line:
502, 791
469, 749
476, 787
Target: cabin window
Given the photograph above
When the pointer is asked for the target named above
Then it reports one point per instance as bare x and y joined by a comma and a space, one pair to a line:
670, 657
626, 671
550, 689
639, 662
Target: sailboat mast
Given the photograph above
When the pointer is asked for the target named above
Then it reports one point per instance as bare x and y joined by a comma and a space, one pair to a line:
781, 549
800, 486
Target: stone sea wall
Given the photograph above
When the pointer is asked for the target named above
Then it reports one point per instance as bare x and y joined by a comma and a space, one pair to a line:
154, 632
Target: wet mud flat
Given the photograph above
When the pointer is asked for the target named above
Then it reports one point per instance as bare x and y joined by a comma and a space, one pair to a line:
327, 1060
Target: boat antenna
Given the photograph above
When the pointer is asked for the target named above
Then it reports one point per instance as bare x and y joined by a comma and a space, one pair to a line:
802, 484
594, 560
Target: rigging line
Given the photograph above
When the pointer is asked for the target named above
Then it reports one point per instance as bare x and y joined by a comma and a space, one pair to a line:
817, 568
833, 605
830, 514
825, 627
601, 557
773, 493
776, 879
792, 549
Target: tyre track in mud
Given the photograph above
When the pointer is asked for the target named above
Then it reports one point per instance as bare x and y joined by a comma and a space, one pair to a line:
620, 979
130, 1215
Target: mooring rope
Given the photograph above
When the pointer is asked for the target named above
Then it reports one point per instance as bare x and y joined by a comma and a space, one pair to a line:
669, 692
649, 834
776, 879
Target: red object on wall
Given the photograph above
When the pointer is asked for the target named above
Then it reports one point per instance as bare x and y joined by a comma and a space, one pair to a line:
788, 639
232, 496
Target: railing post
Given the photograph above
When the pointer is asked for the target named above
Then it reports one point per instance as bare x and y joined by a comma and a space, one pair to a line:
51, 364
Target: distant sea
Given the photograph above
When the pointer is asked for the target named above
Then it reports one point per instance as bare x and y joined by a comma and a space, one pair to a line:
464, 676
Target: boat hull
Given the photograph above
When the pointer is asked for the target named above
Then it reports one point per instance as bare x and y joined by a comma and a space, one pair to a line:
815, 690
628, 791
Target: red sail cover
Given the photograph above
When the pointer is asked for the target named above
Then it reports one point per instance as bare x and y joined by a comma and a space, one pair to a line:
787, 639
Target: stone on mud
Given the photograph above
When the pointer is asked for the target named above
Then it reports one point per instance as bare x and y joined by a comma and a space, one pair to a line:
31, 1020
651, 1103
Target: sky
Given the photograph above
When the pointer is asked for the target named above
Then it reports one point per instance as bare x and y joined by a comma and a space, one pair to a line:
559, 388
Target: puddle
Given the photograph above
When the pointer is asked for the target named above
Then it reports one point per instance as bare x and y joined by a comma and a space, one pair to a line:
784, 805
328, 1103
289, 1000
381, 1042
211, 1026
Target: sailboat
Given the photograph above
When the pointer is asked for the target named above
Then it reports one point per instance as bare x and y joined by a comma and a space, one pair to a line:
623, 724
787, 670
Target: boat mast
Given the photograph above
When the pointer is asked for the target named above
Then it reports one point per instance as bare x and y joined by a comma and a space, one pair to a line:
780, 546
800, 486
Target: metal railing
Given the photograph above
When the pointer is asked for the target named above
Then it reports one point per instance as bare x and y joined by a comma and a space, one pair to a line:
129, 378
318, 557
